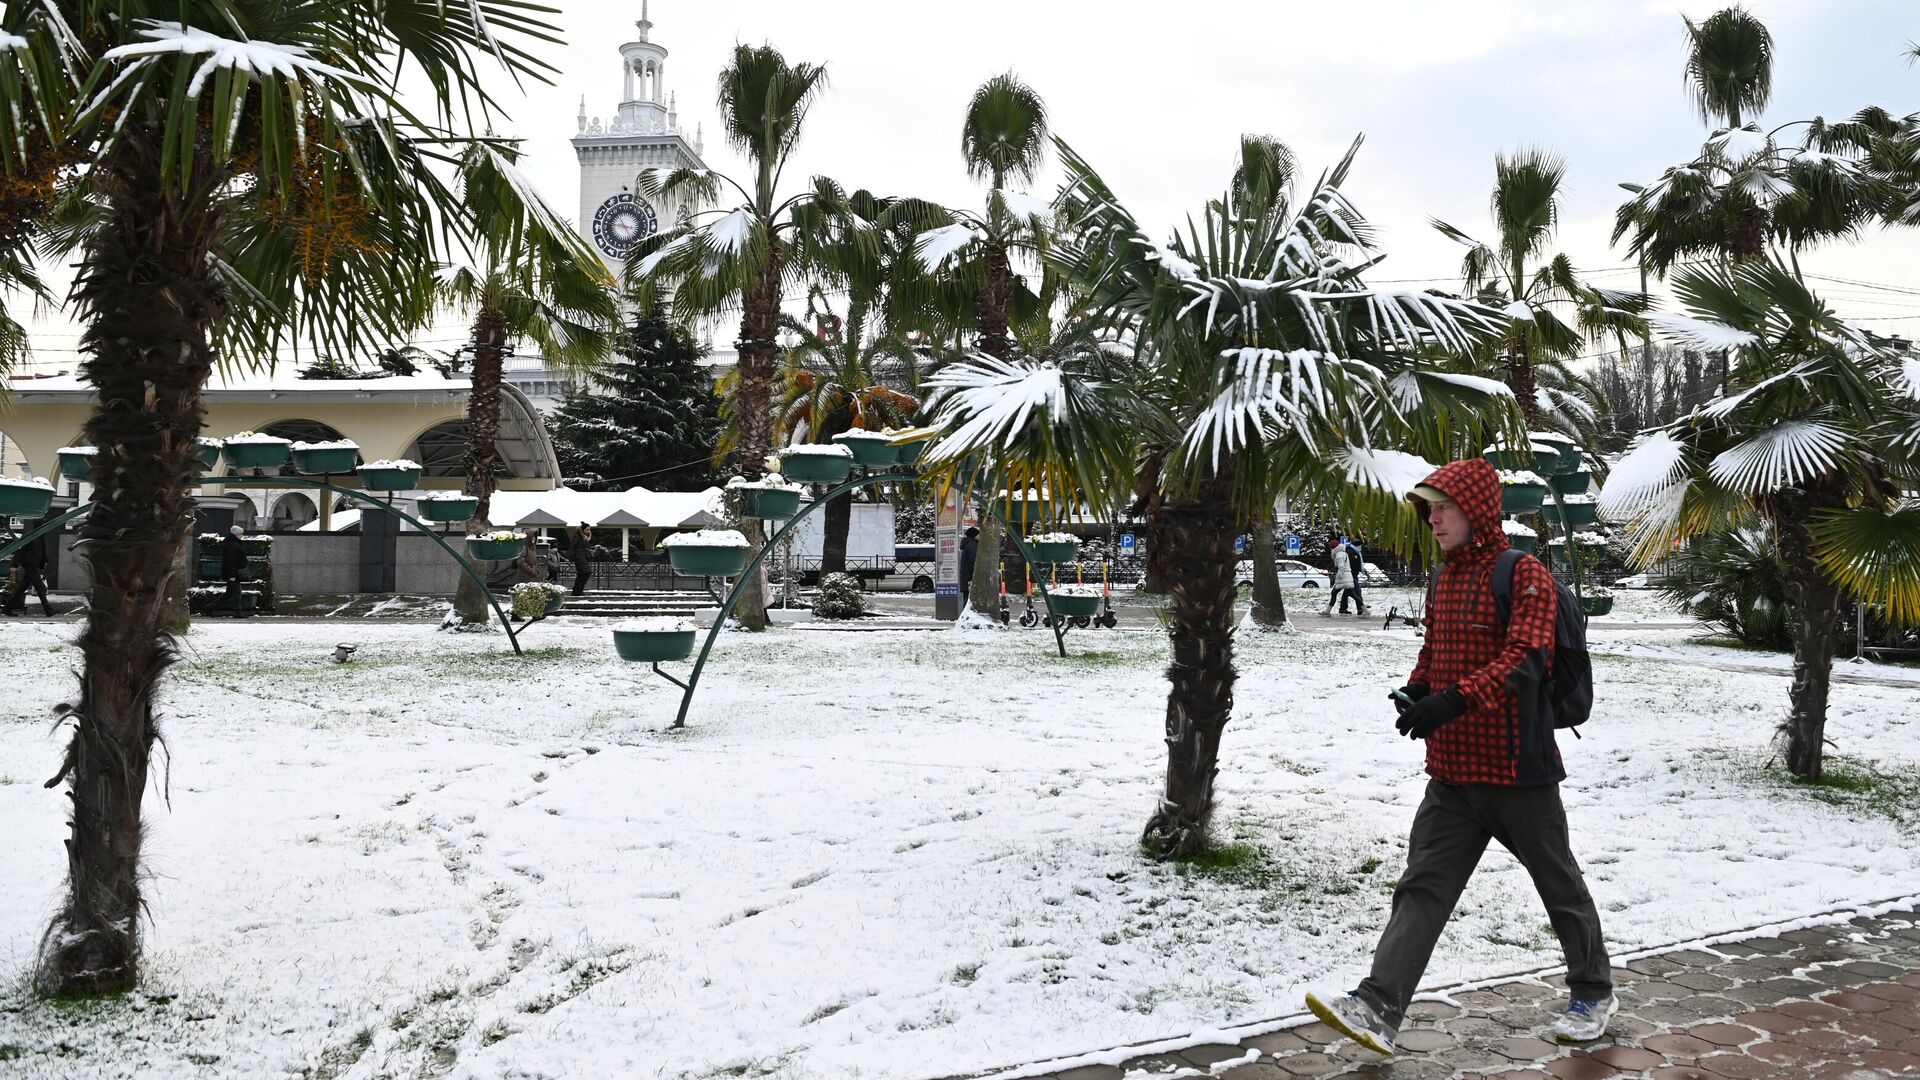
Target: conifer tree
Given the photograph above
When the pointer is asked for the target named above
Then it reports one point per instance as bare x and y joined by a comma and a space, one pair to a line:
649, 417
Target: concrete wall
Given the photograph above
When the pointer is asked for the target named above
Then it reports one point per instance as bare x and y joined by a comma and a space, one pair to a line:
322, 564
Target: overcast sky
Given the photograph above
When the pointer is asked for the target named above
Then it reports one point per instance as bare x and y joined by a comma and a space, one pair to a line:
1155, 95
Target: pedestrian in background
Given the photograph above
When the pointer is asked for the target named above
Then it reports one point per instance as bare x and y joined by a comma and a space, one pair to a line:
1340, 578
580, 551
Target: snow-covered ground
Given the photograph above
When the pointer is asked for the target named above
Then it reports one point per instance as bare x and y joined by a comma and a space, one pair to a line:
884, 854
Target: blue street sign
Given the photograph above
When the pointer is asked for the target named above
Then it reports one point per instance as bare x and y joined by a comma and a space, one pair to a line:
1126, 543
947, 588
1293, 545
1240, 544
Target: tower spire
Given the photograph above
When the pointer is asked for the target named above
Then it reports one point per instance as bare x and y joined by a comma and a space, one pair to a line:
645, 24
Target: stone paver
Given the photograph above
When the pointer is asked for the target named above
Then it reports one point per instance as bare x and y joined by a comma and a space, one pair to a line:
1813, 1003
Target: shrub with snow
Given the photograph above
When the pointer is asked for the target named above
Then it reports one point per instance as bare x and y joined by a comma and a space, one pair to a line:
840, 598
256, 437
659, 624
1515, 528
329, 444
398, 463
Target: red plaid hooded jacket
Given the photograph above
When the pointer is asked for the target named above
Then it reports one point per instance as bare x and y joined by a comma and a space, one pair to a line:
1506, 734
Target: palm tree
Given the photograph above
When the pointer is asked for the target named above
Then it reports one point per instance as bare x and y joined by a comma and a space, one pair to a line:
1521, 274
530, 276
750, 254
246, 175
1243, 359
1003, 138
1823, 444
1729, 65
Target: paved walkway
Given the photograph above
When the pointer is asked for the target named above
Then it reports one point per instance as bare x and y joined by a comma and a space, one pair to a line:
1838, 1002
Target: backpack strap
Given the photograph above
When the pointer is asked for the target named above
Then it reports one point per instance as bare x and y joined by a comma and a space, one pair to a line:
1503, 565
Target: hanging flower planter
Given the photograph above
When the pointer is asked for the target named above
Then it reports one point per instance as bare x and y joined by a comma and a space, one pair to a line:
496, 546
815, 463
1521, 492
400, 475
1571, 483
1530, 456
1074, 600
325, 458
27, 498
447, 507
210, 568
871, 449
1519, 536
1054, 547
707, 553
768, 498
653, 641
1595, 606
209, 451
910, 453
537, 599
1572, 511
252, 450
76, 462
1566, 452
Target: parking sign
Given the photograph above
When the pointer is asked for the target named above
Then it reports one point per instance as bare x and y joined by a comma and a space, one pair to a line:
1126, 543
1293, 544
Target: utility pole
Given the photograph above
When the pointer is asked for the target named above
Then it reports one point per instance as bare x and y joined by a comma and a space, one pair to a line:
1646, 340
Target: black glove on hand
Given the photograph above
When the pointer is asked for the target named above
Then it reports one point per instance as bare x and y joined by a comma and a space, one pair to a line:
1412, 692
1431, 712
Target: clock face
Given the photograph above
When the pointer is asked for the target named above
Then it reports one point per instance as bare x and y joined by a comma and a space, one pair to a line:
621, 223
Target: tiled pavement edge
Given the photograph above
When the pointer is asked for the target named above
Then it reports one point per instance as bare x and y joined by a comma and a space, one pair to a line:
1833, 1002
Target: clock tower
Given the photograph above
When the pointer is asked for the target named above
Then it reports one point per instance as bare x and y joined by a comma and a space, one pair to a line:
643, 132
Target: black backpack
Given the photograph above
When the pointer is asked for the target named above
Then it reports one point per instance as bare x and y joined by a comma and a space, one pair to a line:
1570, 681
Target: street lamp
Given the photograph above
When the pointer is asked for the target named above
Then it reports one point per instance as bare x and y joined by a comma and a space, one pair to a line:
1646, 340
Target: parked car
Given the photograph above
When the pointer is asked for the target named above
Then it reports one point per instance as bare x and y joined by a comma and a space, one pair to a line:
1294, 574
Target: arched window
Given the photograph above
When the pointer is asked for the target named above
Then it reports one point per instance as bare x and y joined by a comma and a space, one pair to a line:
292, 510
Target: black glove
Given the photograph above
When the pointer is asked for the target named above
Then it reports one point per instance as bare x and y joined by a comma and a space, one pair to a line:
1431, 712
1404, 697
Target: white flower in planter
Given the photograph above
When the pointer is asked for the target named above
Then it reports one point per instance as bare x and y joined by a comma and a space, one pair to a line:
665, 624
1053, 538
1515, 528
1516, 477
706, 538
332, 444
256, 437
401, 464
501, 536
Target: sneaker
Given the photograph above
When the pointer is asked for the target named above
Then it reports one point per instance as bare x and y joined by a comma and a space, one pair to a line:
1354, 1018
1585, 1021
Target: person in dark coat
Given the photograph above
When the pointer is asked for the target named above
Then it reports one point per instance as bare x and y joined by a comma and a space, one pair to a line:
580, 550
969, 551
233, 565
31, 562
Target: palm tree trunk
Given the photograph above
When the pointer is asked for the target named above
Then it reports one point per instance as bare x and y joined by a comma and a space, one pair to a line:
1816, 629
1195, 542
996, 300
1520, 376
150, 298
759, 360
483, 438
833, 541
983, 592
1269, 599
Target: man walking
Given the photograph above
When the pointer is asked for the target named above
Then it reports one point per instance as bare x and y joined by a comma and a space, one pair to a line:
31, 562
1356, 563
1478, 696
233, 567
1340, 579
580, 551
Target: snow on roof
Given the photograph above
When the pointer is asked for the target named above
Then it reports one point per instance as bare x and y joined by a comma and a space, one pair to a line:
635, 507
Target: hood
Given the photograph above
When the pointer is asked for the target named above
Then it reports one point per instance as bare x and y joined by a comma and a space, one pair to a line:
1475, 485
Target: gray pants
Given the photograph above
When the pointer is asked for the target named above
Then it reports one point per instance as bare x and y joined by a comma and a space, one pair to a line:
1450, 832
